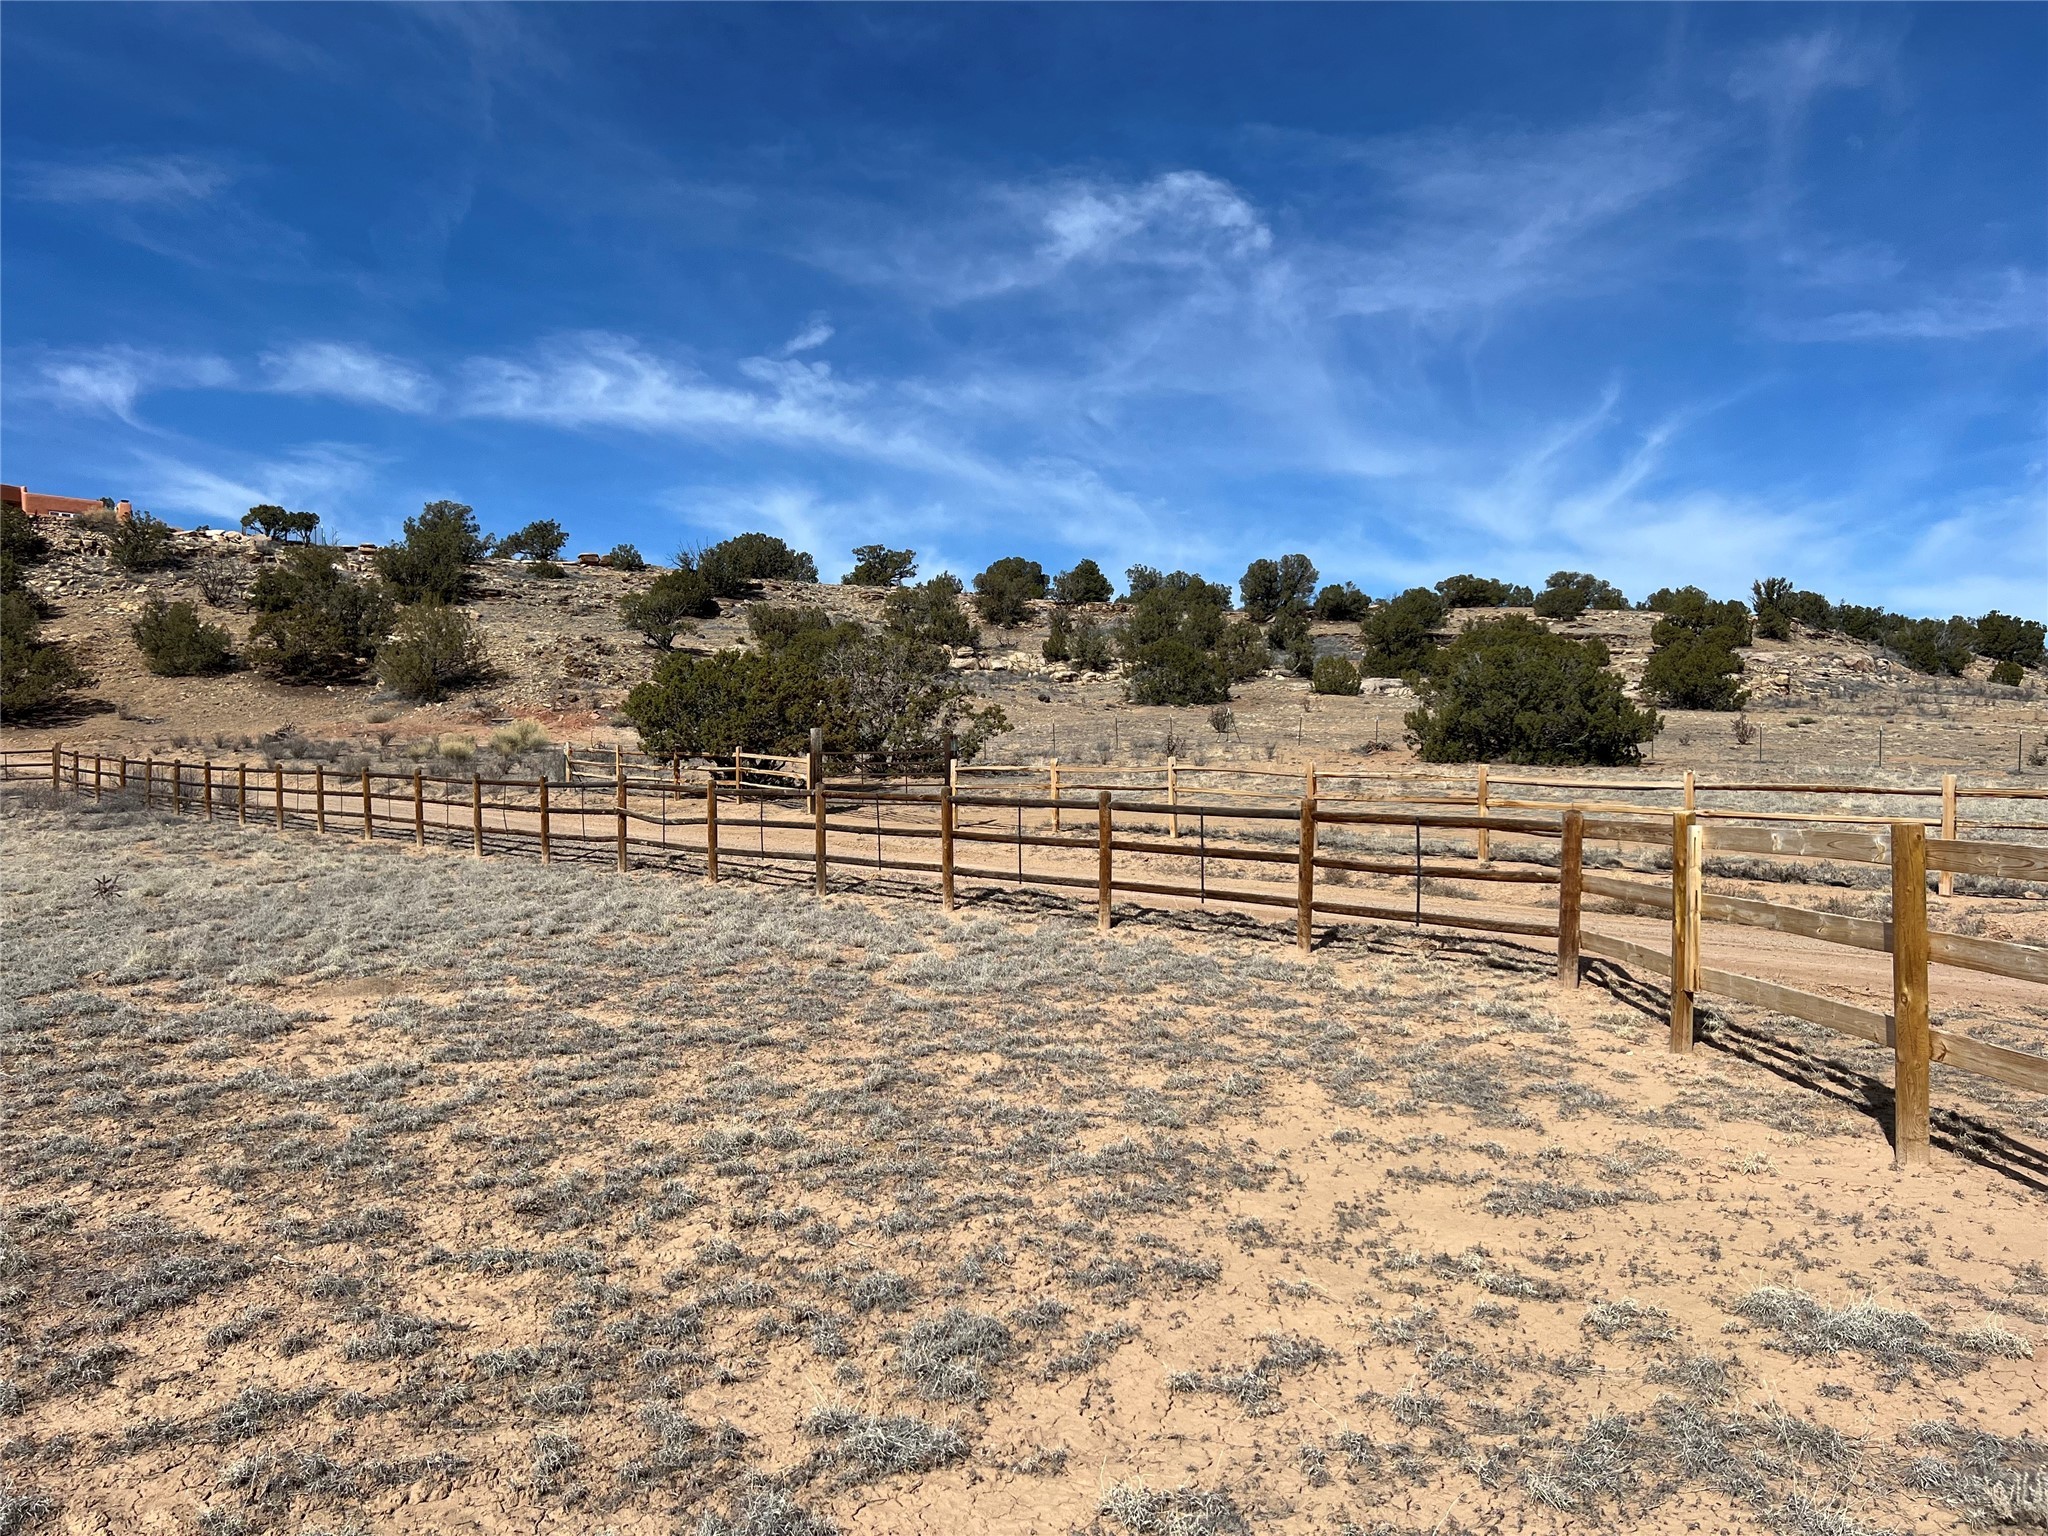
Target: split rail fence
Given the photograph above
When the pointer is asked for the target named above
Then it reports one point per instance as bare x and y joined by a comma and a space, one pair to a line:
1143, 843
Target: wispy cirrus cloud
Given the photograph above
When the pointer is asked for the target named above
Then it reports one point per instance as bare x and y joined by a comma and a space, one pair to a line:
340, 371
1477, 219
110, 380
132, 182
1786, 75
321, 475
815, 333
989, 241
2013, 300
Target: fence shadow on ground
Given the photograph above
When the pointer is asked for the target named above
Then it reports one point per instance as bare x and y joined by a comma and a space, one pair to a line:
1968, 1136
1795, 1060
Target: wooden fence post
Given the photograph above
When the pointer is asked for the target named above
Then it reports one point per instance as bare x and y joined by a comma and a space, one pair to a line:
1911, 1047
568, 763
1308, 782
618, 762
320, 798
1685, 927
817, 776
95, 775
208, 790
277, 785
122, 782
711, 828
547, 847
619, 797
177, 788
1102, 836
56, 769
1480, 800
1689, 796
1305, 876
1052, 788
1948, 827
149, 782
369, 815
1569, 894
1173, 794
946, 846
419, 810
476, 813
241, 794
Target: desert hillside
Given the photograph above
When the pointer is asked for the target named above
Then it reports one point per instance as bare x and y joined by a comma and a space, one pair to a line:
563, 658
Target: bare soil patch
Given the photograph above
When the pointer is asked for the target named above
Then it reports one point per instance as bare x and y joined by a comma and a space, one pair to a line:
349, 1188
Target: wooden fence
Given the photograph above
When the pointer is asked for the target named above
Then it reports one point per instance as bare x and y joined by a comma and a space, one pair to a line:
1299, 858
1192, 785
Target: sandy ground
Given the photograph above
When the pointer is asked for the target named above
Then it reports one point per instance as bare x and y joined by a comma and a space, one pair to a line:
357, 1188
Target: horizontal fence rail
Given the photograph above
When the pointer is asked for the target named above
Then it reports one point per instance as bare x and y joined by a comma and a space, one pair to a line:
1191, 847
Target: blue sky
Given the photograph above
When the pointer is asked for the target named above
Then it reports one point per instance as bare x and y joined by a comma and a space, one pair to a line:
1672, 294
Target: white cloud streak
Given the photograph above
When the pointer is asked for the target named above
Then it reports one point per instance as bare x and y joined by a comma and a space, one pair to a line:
2010, 301
339, 371
109, 380
321, 476
815, 333
142, 181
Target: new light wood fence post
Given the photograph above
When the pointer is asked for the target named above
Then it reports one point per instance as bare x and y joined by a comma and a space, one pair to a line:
277, 792
320, 797
1685, 927
1102, 836
476, 813
619, 797
1911, 1047
711, 828
1052, 789
208, 791
1948, 827
369, 815
1570, 855
547, 847
817, 777
56, 769
241, 794
419, 810
1173, 794
1481, 797
1689, 795
568, 763
1305, 876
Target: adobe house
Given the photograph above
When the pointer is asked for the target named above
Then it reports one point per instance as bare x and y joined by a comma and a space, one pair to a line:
61, 509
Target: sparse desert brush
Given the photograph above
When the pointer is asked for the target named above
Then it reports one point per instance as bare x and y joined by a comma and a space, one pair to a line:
456, 749
520, 736
541, 1190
